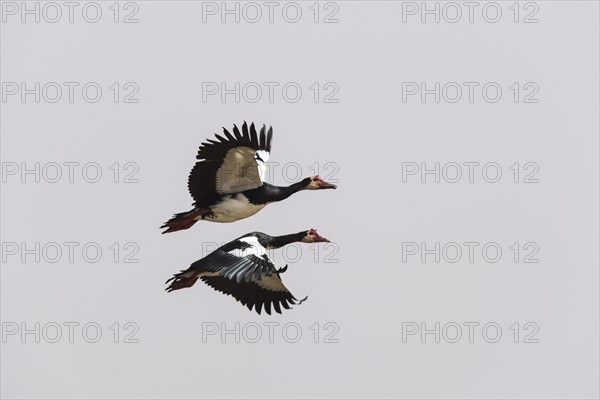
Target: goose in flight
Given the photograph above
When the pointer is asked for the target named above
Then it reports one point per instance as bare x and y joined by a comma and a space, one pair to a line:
242, 269
228, 182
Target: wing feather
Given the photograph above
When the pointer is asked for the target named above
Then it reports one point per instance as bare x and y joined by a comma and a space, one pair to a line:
230, 164
263, 137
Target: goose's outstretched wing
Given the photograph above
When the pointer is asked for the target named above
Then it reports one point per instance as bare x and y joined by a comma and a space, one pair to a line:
242, 269
231, 164
265, 293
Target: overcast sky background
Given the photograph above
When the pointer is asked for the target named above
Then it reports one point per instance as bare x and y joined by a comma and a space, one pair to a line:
362, 285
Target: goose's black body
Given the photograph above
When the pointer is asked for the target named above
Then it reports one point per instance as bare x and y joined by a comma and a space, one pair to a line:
242, 269
227, 184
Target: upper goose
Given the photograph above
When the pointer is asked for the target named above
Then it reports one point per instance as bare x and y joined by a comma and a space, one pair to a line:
242, 269
228, 183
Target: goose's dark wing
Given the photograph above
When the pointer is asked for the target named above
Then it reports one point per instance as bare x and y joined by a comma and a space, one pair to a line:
243, 270
267, 292
231, 164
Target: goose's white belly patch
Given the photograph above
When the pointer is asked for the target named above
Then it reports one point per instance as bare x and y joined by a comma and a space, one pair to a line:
234, 208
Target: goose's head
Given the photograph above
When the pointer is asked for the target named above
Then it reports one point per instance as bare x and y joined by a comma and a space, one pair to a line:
317, 183
312, 236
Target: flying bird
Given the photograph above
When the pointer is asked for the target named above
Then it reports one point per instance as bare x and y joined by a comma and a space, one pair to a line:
228, 182
242, 269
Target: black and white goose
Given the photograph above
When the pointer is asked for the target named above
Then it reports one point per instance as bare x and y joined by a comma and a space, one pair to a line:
228, 183
242, 269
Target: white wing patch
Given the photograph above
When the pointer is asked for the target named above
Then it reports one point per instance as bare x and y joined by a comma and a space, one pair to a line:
255, 248
272, 283
239, 171
262, 157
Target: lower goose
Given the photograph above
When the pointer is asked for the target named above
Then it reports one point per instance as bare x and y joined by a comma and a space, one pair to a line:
242, 269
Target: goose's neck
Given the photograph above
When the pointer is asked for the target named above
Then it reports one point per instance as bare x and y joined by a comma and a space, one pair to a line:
280, 241
283, 192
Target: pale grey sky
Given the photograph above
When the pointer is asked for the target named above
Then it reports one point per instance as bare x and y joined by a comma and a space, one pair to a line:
514, 97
